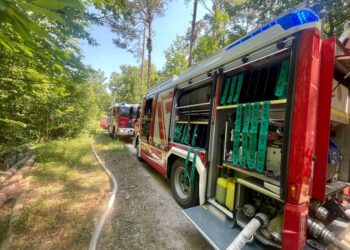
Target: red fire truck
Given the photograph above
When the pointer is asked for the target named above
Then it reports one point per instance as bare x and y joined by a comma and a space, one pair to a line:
122, 118
255, 139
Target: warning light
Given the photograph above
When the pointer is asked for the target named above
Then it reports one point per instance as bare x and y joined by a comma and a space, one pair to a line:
290, 20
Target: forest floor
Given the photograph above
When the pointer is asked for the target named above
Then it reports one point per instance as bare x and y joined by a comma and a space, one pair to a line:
67, 196
145, 214
69, 192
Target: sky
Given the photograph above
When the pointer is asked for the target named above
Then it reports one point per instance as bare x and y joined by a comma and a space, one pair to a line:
108, 58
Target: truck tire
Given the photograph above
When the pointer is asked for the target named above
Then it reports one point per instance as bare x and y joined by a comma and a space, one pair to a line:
181, 189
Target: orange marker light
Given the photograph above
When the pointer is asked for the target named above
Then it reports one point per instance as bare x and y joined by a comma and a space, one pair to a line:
293, 190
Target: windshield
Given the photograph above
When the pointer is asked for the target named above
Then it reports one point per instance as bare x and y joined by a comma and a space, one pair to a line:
124, 111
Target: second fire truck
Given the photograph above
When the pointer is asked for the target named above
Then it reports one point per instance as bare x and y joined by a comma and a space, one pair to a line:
122, 118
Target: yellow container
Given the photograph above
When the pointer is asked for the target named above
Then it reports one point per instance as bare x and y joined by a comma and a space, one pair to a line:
230, 194
221, 187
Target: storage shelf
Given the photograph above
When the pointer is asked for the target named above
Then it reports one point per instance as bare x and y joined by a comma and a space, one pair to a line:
251, 173
339, 116
194, 105
342, 63
274, 102
192, 122
255, 185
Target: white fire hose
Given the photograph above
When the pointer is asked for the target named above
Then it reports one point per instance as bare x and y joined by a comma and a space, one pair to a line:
98, 229
260, 220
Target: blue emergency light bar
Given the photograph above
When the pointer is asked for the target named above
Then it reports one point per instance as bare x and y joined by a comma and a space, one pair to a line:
290, 20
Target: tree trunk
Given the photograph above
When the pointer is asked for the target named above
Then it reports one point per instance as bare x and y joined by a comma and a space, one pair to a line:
193, 32
149, 48
142, 60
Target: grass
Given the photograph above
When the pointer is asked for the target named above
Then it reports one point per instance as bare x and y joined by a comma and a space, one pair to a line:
67, 196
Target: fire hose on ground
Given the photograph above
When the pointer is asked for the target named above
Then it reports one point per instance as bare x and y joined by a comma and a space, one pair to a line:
98, 229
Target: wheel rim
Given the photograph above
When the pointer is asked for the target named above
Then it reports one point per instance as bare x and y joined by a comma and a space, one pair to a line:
182, 185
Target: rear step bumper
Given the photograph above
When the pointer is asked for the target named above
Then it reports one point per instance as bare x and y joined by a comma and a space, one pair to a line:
215, 227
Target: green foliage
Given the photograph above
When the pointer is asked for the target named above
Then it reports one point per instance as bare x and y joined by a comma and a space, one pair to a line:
134, 32
125, 86
97, 81
176, 57
215, 36
45, 90
246, 15
335, 13
229, 20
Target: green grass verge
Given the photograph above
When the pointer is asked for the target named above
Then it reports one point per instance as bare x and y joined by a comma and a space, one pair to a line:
67, 196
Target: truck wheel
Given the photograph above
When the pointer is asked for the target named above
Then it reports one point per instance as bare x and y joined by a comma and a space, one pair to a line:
180, 185
138, 150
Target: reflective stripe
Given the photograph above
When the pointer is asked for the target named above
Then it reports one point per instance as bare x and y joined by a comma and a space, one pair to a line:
264, 126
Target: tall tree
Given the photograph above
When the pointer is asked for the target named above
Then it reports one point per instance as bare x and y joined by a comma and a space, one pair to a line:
142, 61
215, 37
131, 35
129, 31
334, 14
247, 15
149, 9
124, 85
44, 90
97, 80
193, 31
176, 57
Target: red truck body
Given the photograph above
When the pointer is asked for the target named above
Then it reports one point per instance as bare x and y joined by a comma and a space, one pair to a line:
122, 119
104, 123
191, 130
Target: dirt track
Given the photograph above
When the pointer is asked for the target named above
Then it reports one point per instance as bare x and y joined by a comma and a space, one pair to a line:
145, 215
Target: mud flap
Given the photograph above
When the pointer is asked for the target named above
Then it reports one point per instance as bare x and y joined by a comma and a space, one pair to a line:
215, 227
